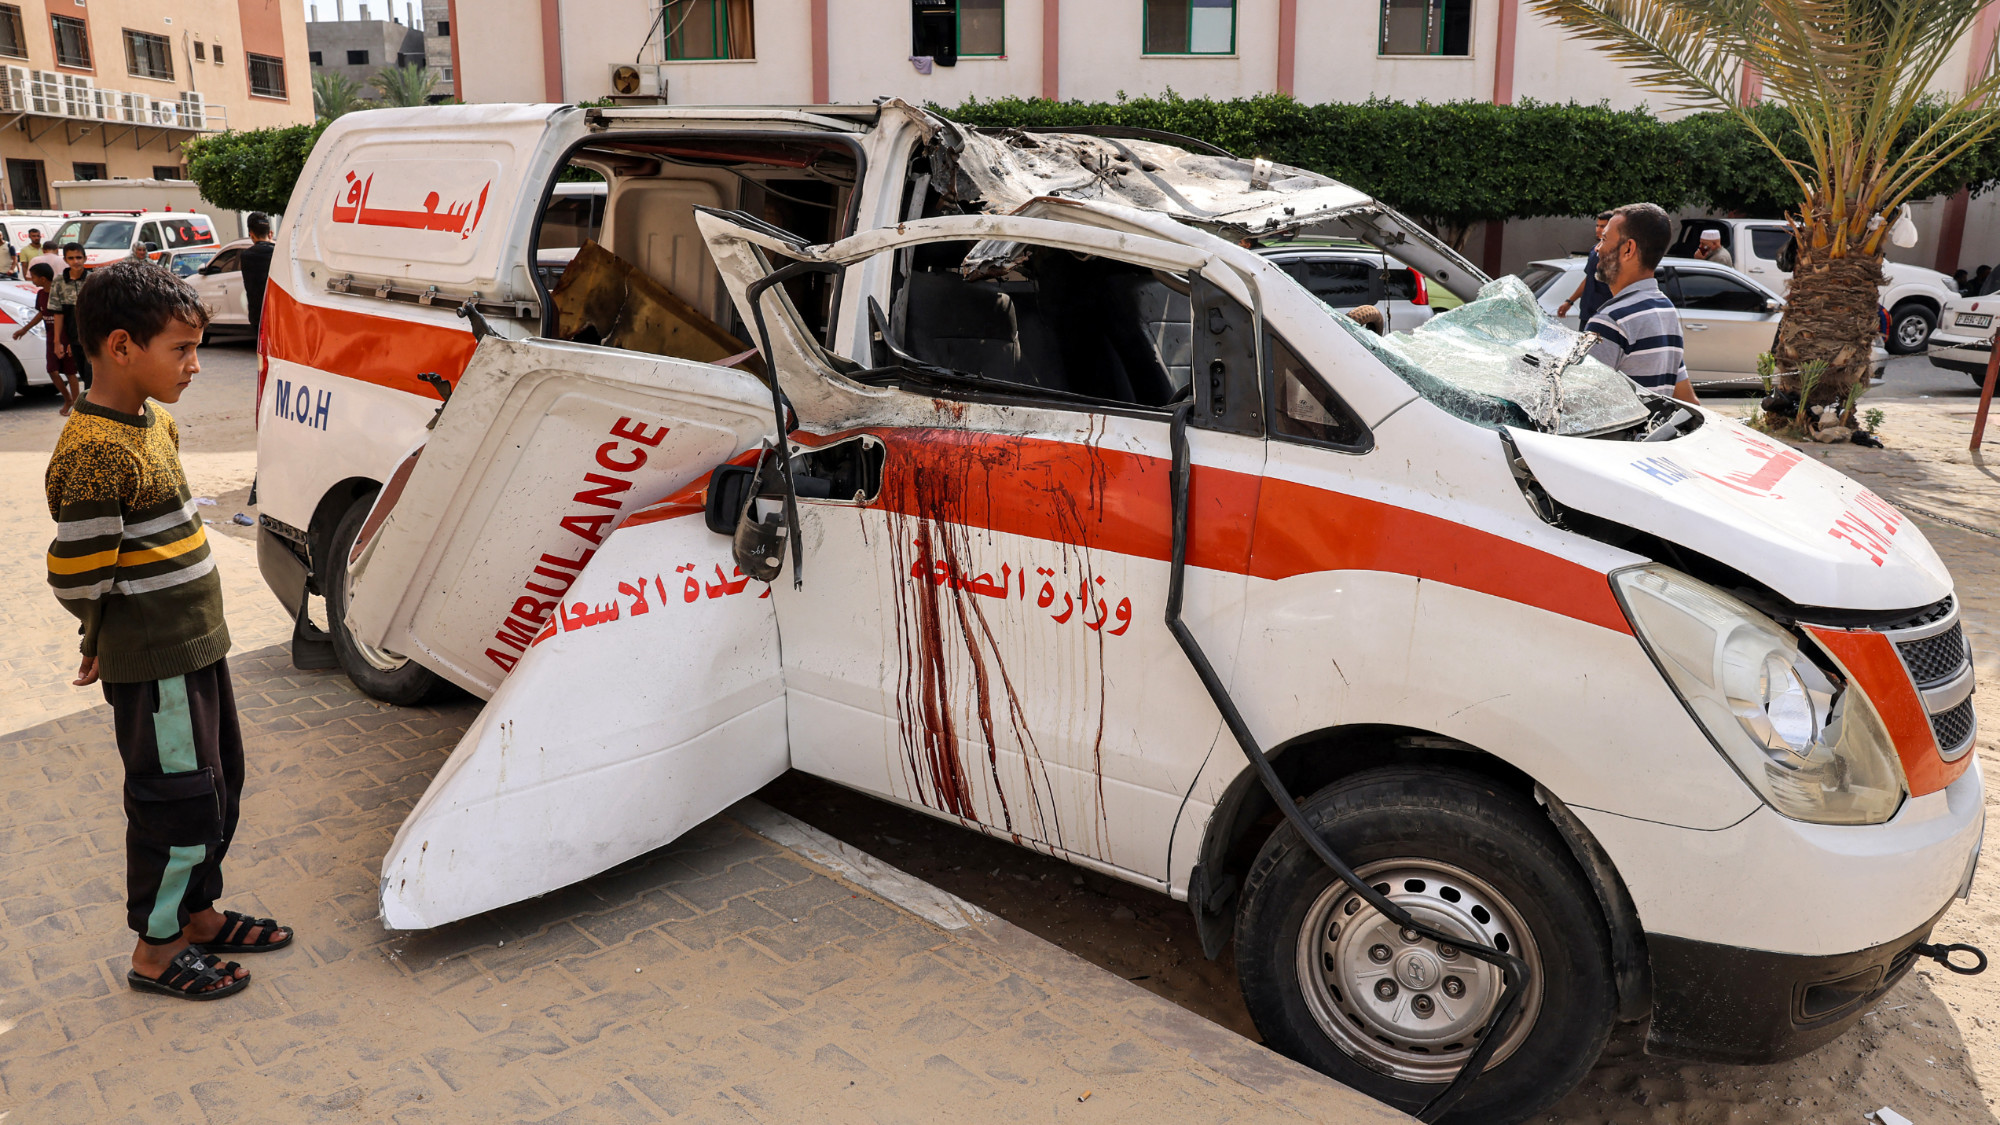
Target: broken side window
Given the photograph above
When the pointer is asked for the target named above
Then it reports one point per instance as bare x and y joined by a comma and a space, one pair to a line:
1041, 320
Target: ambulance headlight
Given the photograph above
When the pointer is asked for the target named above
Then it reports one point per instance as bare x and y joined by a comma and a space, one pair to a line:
1789, 720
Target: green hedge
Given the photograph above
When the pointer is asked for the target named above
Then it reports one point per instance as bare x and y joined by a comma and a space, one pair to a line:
1452, 164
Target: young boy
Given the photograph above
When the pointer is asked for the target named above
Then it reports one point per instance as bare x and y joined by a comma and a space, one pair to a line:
62, 306
62, 370
132, 561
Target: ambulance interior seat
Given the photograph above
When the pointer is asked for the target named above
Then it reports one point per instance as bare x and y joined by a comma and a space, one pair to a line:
1059, 322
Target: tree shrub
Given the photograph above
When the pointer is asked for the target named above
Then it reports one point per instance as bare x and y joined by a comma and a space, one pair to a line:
252, 170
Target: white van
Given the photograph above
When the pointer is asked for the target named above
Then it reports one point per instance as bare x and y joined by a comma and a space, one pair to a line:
1608, 708
107, 236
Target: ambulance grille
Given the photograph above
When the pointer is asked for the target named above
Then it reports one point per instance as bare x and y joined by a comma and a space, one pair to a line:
1934, 660
1954, 727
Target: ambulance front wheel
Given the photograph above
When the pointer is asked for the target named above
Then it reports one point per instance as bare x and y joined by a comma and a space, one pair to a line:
387, 676
1336, 985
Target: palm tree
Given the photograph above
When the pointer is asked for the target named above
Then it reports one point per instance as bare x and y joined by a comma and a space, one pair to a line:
404, 85
1859, 80
335, 94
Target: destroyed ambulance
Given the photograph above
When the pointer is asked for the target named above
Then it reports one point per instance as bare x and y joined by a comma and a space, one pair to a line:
1482, 699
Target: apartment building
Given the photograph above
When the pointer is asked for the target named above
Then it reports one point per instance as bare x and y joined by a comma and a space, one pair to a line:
944, 51
113, 89
358, 49
437, 45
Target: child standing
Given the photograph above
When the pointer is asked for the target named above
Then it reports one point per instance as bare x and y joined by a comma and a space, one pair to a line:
131, 560
62, 370
62, 307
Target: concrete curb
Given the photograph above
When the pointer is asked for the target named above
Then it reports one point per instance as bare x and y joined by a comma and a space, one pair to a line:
1216, 1048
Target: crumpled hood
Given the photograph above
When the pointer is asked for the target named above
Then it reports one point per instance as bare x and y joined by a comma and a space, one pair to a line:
1773, 512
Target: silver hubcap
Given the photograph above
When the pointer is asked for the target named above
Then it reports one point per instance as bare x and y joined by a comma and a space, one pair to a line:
1402, 1004
1911, 331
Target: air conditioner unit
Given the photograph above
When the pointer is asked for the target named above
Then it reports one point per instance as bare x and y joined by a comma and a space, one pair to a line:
629, 80
194, 112
78, 97
133, 109
160, 112
104, 106
45, 92
14, 89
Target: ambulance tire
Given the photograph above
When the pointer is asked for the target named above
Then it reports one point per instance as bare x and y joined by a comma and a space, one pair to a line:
386, 677
13, 380
1399, 823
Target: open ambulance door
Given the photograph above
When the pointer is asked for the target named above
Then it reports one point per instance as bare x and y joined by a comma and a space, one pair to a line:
633, 675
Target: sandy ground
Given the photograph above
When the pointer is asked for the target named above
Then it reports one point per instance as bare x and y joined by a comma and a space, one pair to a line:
1929, 1049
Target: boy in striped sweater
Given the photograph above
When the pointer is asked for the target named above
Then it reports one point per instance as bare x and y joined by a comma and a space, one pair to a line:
131, 560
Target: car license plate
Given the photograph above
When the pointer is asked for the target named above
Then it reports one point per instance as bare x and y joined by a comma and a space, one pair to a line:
1974, 320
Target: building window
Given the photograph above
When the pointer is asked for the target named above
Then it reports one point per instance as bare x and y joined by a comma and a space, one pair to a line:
1427, 27
25, 183
357, 58
200, 51
982, 28
710, 29
149, 56
313, 57
218, 54
72, 42
13, 35
167, 172
267, 76
447, 73
443, 28
82, 171
1190, 27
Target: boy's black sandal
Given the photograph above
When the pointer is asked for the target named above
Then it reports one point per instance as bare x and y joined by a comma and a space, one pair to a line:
189, 976
236, 929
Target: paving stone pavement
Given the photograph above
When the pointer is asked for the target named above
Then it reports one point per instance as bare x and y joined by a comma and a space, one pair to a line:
723, 978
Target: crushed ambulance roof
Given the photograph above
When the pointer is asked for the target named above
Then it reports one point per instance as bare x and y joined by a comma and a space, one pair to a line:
1244, 197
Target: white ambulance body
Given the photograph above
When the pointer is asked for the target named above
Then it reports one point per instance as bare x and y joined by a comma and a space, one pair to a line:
1673, 714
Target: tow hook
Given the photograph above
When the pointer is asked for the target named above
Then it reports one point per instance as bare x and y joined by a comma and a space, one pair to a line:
1942, 955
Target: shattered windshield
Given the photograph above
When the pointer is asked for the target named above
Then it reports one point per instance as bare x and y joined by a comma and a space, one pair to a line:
1494, 362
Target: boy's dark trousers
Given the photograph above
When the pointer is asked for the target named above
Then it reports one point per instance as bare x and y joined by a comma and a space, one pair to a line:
183, 779
75, 342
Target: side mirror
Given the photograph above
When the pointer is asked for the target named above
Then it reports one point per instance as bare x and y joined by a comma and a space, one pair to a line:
1772, 304
758, 547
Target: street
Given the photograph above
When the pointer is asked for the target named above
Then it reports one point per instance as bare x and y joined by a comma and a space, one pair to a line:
540, 985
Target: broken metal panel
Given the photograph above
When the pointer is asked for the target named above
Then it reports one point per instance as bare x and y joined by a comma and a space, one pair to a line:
603, 299
652, 701
1234, 199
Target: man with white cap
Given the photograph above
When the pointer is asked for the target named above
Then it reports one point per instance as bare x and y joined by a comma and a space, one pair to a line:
1709, 249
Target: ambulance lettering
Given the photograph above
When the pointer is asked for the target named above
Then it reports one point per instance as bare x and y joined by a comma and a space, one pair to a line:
1868, 526
296, 402
459, 219
1777, 460
544, 589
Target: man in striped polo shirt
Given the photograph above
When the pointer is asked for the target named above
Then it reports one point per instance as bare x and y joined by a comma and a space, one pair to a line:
1638, 331
131, 560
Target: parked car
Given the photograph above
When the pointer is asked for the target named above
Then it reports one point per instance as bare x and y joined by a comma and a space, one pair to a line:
1604, 687
1346, 275
1913, 296
15, 225
23, 360
108, 236
218, 281
1964, 339
1727, 320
